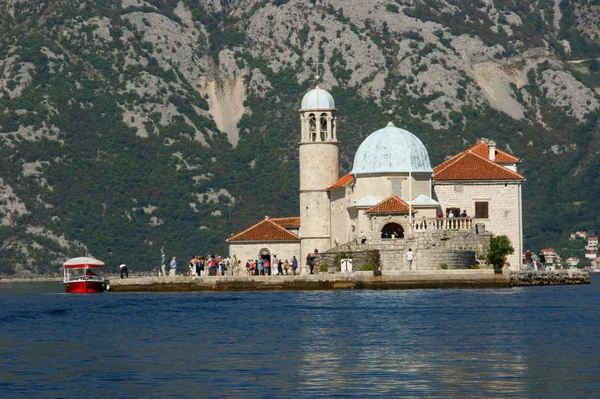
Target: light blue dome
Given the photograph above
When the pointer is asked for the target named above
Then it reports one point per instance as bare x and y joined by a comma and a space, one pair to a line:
317, 98
391, 150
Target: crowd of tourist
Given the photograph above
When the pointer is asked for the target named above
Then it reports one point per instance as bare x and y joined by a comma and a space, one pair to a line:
215, 265
271, 267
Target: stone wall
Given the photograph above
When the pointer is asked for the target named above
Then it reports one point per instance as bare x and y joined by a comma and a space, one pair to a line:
504, 201
551, 277
455, 249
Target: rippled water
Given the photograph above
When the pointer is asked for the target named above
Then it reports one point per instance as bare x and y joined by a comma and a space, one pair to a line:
525, 342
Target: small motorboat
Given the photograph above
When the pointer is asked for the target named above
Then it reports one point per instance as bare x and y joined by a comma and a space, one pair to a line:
84, 275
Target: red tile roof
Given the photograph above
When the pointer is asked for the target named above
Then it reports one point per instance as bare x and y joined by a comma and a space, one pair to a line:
471, 165
393, 204
266, 230
289, 222
347, 178
483, 150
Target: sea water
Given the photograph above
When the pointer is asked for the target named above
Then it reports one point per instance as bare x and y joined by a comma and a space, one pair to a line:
539, 342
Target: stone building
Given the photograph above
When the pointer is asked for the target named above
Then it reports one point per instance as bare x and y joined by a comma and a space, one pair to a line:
391, 200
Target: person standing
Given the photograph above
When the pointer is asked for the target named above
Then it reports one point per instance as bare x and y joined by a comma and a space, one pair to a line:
173, 265
213, 266
259, 267
275, 262
529, 260
294, 264
286, 266
310, 260
410, 256
543, 260
267, 267
200, 265
124, 271
163, 265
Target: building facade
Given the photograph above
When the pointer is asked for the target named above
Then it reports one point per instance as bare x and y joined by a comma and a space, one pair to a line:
391, 193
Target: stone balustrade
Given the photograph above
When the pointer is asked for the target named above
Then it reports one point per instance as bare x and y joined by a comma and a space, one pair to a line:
430, 224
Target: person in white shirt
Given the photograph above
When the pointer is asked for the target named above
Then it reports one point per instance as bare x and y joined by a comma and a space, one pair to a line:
410, 256
173, 265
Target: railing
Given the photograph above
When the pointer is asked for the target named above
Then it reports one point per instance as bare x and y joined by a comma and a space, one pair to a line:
457, 223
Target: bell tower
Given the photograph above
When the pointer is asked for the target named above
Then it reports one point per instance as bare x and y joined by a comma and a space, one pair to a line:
319, 159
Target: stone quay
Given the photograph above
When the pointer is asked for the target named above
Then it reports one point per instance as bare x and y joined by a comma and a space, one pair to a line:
426, 279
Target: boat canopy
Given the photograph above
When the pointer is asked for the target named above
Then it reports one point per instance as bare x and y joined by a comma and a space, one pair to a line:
82, 263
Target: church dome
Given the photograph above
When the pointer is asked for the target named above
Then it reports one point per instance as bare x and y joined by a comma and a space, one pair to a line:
317, 98
391, 150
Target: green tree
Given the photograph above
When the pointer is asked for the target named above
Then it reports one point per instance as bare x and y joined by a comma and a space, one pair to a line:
500, 246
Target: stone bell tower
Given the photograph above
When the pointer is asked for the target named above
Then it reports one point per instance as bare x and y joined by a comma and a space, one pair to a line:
319, 158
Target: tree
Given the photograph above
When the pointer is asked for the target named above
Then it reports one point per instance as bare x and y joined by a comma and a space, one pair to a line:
500, 246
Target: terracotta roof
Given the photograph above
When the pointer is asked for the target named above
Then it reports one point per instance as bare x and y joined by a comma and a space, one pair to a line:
483, 150
393, 204
289, 222
265, 230
347, 178
469, 166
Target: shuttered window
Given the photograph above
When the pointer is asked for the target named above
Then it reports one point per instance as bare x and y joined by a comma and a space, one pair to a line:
482, 210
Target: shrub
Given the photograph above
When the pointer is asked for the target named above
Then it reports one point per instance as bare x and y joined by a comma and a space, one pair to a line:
368, 267
444, 266
500, 246
323, 268
474, 267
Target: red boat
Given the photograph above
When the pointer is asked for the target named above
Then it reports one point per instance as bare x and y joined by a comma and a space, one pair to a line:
84, 275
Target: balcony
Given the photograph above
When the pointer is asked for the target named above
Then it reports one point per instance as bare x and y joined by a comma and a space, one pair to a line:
456, 223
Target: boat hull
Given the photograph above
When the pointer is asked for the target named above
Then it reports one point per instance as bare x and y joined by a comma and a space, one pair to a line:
85, 287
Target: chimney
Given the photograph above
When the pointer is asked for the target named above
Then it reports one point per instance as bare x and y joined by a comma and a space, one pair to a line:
492, 145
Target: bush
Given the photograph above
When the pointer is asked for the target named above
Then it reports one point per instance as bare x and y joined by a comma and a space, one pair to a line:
444, 266
500, 246
368, 267
474, 267
323, 268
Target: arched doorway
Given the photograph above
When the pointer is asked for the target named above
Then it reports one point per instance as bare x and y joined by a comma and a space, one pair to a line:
392, 230
264, 253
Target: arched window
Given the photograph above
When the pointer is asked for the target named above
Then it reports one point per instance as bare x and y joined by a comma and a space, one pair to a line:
323, 127
312, 127
392, 230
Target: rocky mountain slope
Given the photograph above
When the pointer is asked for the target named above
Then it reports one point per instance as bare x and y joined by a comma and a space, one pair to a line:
131, 126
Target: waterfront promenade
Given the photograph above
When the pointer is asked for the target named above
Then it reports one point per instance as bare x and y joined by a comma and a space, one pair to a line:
483, 278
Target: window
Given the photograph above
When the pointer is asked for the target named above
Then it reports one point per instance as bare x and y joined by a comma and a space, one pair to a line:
397, 188
481, 210
312, 129
323, 127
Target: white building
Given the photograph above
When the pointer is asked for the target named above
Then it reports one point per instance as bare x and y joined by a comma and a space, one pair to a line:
391, 192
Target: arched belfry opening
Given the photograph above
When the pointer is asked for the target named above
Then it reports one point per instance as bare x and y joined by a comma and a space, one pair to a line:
323, 130
392, 230
312, 127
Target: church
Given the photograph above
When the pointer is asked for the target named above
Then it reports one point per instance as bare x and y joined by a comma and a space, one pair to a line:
391, 200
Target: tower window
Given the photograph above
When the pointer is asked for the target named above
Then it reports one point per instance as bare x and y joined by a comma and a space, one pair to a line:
312, 127
397, 188
323, 127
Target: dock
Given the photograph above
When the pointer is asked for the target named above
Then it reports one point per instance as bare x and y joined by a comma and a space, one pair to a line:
426, 279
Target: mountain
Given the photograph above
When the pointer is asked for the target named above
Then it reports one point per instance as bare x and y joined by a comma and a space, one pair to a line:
131, 126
